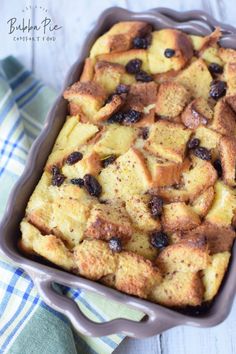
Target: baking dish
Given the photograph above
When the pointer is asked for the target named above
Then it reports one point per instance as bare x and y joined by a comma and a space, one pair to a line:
158, 318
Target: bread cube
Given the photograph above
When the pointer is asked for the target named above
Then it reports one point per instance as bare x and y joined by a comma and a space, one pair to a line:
199, 178
189, 255
90, 164
136, 275
209, 139
179, 216
171, 99
168, 140
71, 137
109, 109
108, 75
227, 54
171, 194
230, 76
93, 259
197, 78
107, 220
231, 100
198, 112
203, 202
179, 289
214, 273
47, 246
219, 239
123, 58
165, 173
165, 39
127, 176
139, 212
223, 207
115, 140
224, 120
140, 244
228, 159
201, 43
89, 96
119, 37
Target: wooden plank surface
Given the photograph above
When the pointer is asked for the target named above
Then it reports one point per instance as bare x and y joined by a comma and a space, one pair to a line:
50, 61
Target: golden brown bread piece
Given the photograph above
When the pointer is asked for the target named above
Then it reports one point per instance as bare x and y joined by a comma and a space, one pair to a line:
169, 38
214, 273
119, 37
136, 275
231, 100
209, 139
224, 120
168, 140
179, 216
140, 244
228, 159
230, 76
219, 239
179, 289
202, 43
203, 202
88, 70
198, 112
197, 78
223, 207
107, 220
171, 99
190, 255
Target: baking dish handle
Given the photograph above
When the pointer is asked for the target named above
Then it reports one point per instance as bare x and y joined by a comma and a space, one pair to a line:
149, 326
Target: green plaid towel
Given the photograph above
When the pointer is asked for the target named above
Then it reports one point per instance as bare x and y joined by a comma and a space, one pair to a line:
27, 324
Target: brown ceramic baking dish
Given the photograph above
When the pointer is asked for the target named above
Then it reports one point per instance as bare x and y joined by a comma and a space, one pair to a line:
158, 318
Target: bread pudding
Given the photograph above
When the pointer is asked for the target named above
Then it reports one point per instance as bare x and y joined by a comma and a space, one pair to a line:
138, 192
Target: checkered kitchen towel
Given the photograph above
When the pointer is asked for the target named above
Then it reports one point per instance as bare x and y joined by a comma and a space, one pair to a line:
27, 324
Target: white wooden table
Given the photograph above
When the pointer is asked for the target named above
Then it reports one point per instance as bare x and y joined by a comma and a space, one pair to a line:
50, 61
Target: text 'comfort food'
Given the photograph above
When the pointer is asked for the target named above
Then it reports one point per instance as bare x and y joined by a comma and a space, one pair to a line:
138, 192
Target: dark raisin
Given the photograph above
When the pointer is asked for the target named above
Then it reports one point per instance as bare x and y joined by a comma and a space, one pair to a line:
155, 205
217, 89
58, 179
193, 143
122, 88
202, 153
141, 43
115, 244
169, 53
215, 68
117, 118
144, 133
108, 161
159, 239
77, 181
74, 157
55, 170
143, 76
92, 185
218, 167
132, 116
133, 66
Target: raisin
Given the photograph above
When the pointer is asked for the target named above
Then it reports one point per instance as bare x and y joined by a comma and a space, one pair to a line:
108, 161
143, 76
117, 118
58, 179
122, 88
115, 244
132, 116
159, 239
215, 68
218, 167
55, 170
133, 66
202, 153
77, 181
144, 133
92, 185
217, 89
169, 53
141, 42
193, 143
74, 157
155, 205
